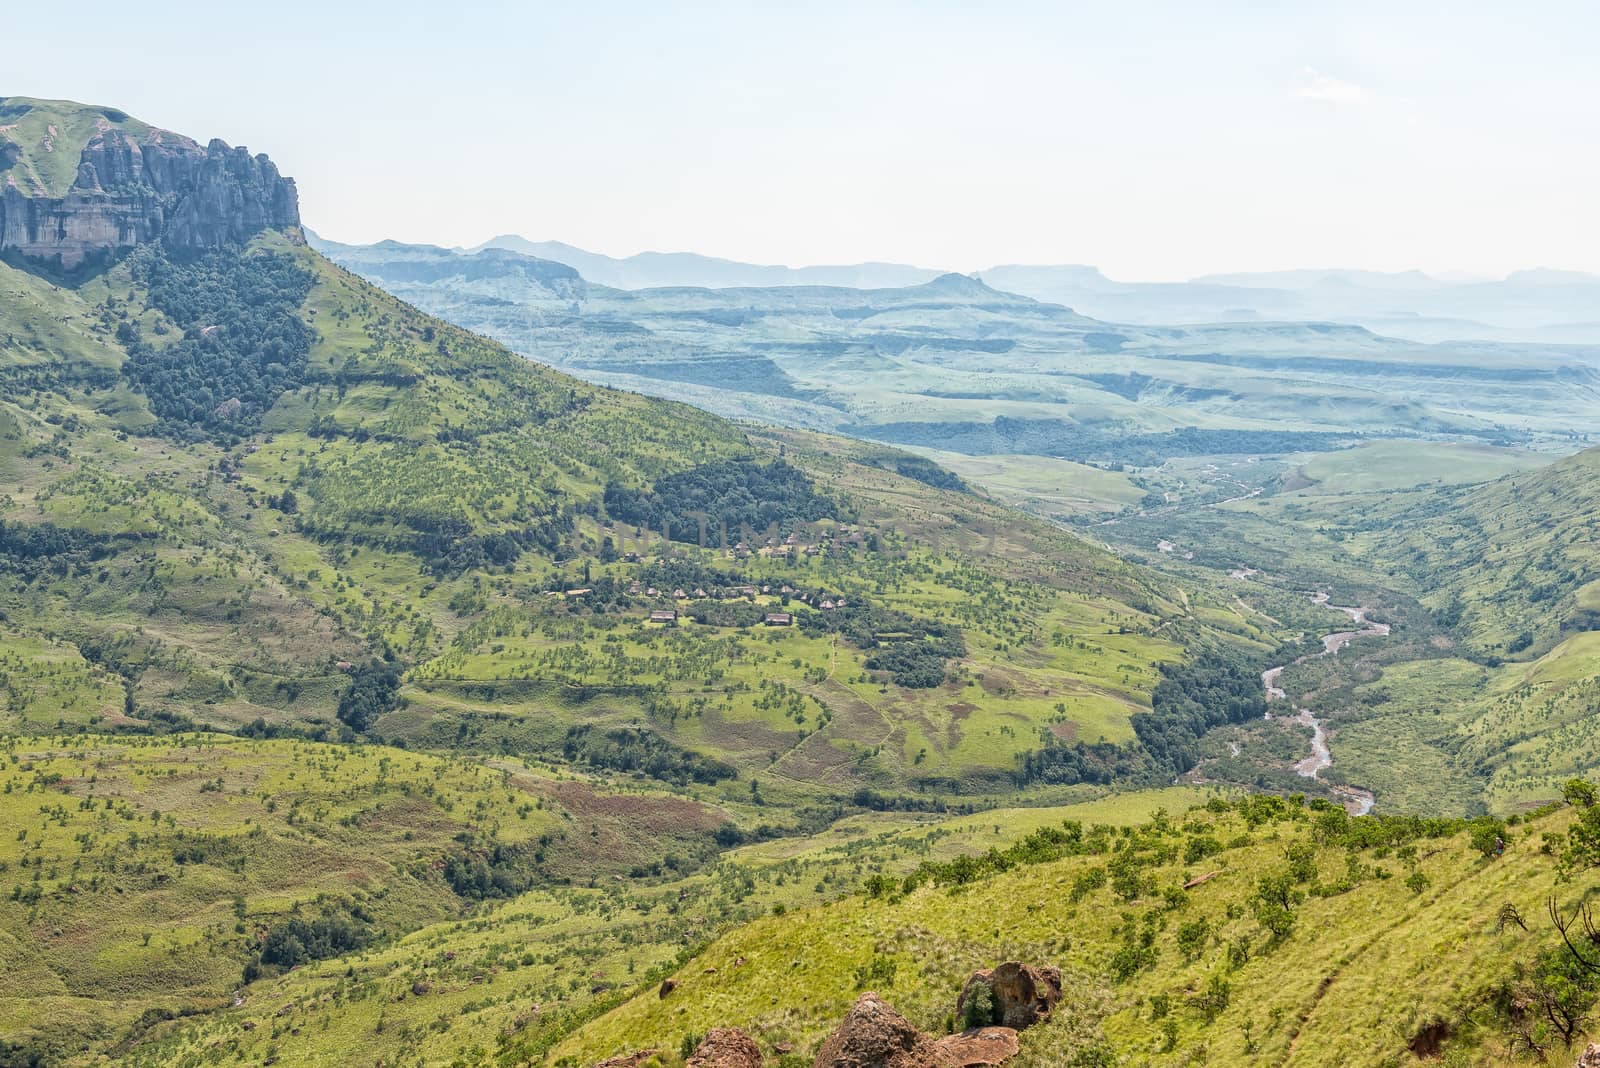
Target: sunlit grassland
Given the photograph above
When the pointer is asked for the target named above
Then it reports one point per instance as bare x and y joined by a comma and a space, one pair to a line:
1043, 485
48, 684
1391, 465
1038, 660
1364, 970
532, 966
141, 873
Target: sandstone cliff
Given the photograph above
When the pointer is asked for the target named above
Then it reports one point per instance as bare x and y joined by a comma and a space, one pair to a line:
133, 184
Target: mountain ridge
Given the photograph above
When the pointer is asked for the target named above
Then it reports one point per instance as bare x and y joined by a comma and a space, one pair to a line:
132, 183
1531, 305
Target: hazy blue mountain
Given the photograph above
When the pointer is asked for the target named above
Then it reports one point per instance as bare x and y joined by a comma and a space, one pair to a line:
1536, 306
962, 363
1314, 278
649, 270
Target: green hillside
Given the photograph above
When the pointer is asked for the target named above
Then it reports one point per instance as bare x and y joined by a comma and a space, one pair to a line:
1305, 938
243, 490
371, 693
40, 141
1483, 696
398, 489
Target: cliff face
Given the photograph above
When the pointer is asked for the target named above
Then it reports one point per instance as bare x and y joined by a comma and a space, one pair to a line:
139, 185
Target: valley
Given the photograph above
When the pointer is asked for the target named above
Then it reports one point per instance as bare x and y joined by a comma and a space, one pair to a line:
420, 657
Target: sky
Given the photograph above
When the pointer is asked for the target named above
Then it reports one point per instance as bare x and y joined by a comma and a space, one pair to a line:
1158, 141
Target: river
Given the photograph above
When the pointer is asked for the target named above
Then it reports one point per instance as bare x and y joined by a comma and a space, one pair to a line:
1358, 801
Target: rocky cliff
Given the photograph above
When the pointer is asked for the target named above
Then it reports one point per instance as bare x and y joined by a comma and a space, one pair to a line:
133, 184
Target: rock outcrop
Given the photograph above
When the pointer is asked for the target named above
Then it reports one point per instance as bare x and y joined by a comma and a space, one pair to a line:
873, 1035
1590, 1058
726, 1047
629, 1060
980, 1048
1023, 995
876, 1036
140, 185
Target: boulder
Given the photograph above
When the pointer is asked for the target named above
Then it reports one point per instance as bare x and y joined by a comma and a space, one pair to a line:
873, 1035
726, 1047
1023, 995
629, 1060
977, 1048
1590, 1058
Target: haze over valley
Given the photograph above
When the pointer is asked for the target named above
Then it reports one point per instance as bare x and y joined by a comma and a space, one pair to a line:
424, 651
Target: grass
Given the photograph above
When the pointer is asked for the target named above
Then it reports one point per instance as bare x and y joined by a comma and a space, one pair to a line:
142, 874
1392, 465
52, 134
1045, 486
424, 496
568, 950
1360, 975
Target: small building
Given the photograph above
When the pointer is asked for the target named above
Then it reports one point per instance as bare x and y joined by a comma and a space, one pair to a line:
778, 619
664, 615
579, 592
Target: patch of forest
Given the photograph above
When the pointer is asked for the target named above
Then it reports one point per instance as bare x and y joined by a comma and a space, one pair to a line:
715, 502
1192, 698
243, 341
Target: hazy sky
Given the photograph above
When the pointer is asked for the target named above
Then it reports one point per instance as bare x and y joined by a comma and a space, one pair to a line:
1156, 140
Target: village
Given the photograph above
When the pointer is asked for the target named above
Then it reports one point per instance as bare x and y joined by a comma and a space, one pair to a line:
668, 602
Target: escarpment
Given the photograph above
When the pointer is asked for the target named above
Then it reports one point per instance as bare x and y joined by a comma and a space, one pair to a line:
133, 184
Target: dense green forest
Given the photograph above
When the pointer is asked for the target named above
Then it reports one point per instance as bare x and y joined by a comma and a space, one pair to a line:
242, 345
723, 503
1191, 699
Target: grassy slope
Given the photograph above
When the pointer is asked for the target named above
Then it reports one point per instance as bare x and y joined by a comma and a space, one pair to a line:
1442, 716
1364, 971
228, 610
51, 135
211, 606
534, 967
141, 874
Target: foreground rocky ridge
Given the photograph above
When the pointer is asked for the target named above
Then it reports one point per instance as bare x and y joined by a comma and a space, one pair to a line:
994, 1004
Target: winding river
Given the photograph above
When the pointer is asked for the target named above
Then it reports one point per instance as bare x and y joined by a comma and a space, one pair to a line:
1358, 801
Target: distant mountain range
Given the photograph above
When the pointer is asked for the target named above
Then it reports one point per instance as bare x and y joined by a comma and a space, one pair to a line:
971, 365
652, 270
1542, 305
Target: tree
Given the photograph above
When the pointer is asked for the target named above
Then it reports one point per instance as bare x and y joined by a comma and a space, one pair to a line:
1583, 840
1555, 997
1488, 835
978, 1009
374, 689
1275, 903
